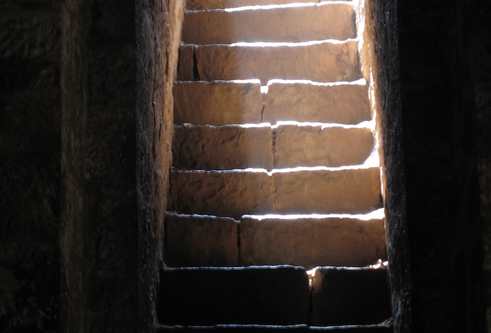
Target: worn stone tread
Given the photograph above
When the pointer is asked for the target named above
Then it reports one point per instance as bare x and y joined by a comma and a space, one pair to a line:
350, 296
305, 102
216, 4
217, 103
260, 295
310, 242
275, 328
227, 193
352, 191
321, 146
221, 148
201, 241
325, 61
318, 22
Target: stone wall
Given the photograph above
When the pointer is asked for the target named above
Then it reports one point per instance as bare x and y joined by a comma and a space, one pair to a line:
30, 150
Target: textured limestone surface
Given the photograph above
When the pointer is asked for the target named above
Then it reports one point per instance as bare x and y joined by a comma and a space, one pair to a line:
185, 70
323, 62
217, 103
343, 104
220, 193
278, 295
311, 242
314, 145
326, 191
383, 328
342, 296
221, 148
201, 241
319, 22
213, 4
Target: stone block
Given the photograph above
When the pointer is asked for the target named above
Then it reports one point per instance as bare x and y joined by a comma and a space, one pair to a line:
260, 295
214, 4
353, 191
321, 146
221, 148
323, 62
217, 103
192, 240
220, 193
350, 296
342, 104
318, 22
185, 67
311, 242
282, 328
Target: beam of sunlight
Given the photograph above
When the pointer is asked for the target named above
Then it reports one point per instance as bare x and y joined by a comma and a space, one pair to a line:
374, 215
289, 44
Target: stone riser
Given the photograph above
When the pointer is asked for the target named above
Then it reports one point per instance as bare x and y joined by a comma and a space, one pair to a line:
238, 193
272, 296
284, 146
321, 62
220, 4
333, 21
274, 328
224, 103
307, 242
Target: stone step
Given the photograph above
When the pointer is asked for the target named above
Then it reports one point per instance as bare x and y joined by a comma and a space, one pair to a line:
276, 328
324, 61
305, 240
221, 4
312, 22
230, 102
235, 147
241, 192
343, 296
192, 240
311, 241
210, 296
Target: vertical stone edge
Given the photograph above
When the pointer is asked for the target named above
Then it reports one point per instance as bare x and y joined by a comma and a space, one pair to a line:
159, 27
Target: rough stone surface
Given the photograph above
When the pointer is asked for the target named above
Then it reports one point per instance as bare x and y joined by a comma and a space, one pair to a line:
186, 70
213, 4
343, 104
228, 193
323, 62
271, 328
201, 241
311, 242
317, 146
234, 296
217, 103
340, 191
319, 22
343, 296
221, 148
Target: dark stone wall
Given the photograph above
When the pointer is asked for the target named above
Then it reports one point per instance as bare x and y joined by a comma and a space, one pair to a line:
30, 148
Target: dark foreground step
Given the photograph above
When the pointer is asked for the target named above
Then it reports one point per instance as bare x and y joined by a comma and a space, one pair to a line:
273, 295
227, 102
308, 241
317, 22
240, 192
260, 295
273, 328
235, 147
325, 61
214, 4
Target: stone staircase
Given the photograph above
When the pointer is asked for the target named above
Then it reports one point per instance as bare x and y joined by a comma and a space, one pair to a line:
273, 174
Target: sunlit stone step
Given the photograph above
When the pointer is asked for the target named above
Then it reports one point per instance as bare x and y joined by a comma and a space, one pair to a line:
238, 192
236, 147
217, 103
321, 146
240, 102
324, 61
350, 296
210, 296
221, 148
311, 241
317, 22
343, 103
214, 4
197, 240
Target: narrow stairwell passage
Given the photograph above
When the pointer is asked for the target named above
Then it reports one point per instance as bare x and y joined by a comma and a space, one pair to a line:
275, 172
